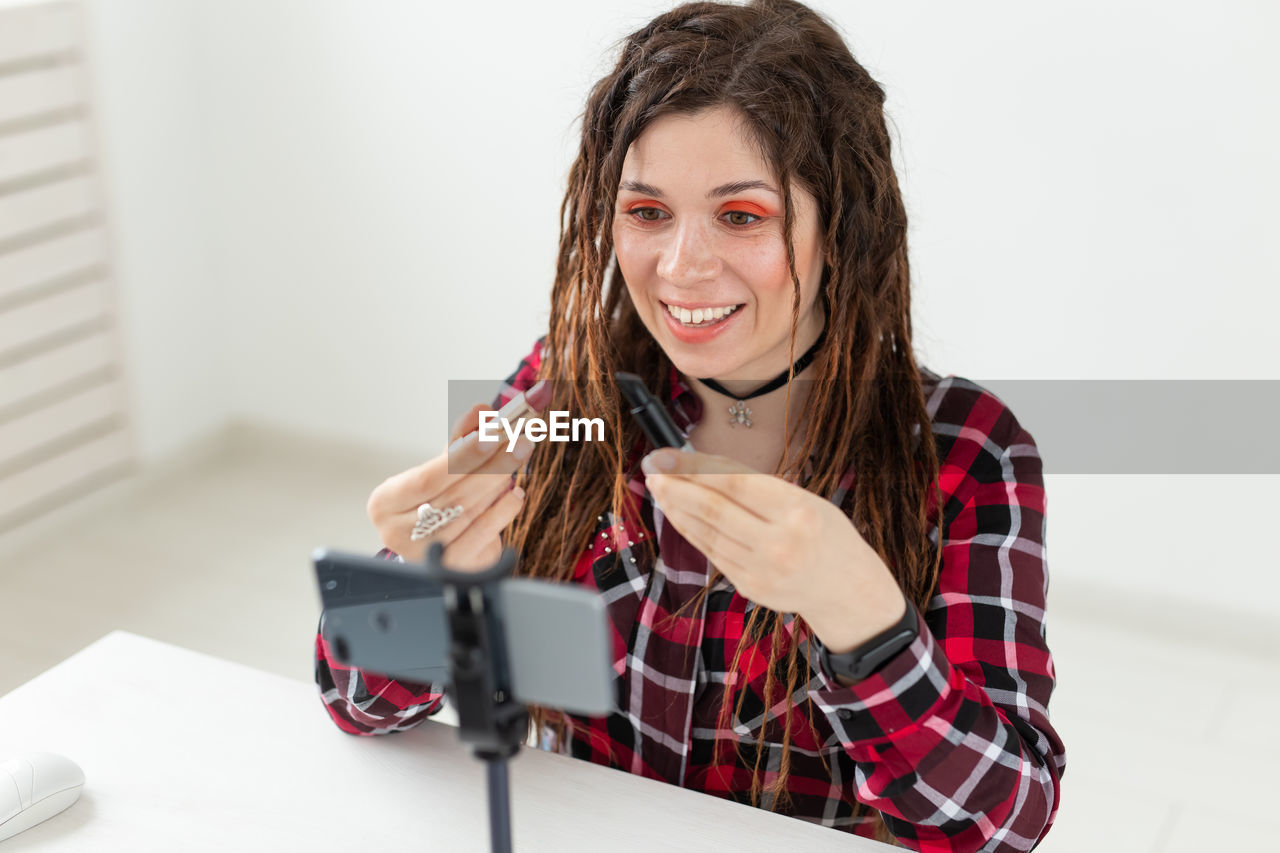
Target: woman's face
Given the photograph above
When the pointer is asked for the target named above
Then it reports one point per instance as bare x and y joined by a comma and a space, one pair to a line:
698, 232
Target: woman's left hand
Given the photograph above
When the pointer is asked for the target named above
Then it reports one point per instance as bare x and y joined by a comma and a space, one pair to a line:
781, 546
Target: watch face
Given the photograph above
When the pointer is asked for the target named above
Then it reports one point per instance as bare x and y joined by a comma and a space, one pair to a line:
866, 659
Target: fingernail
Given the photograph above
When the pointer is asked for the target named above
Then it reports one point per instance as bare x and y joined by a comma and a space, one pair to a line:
658, 460
518, 492
458, 443
539, 395
524, 447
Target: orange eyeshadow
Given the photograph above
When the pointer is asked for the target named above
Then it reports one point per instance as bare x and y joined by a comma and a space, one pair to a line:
748, 207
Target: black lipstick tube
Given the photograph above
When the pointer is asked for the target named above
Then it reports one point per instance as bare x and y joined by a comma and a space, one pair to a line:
650, 414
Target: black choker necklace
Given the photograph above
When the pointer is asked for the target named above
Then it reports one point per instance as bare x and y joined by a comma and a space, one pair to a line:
739, 414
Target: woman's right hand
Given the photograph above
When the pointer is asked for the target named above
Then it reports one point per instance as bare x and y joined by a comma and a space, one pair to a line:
472, 474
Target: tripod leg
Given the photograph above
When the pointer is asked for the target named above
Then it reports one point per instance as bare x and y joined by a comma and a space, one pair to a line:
499, 805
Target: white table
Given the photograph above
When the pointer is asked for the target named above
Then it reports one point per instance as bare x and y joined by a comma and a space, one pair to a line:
182, 751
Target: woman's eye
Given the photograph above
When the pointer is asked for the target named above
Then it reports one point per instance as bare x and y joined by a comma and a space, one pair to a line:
737, 218
741, 217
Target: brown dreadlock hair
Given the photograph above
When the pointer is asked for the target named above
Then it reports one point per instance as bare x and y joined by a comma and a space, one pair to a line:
818, 118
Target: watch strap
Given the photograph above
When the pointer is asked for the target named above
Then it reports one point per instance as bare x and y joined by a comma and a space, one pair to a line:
865, 659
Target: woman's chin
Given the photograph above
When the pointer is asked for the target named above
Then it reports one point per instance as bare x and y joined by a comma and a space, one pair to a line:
701, 365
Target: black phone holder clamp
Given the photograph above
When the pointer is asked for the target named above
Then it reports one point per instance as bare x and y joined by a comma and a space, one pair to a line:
490, 720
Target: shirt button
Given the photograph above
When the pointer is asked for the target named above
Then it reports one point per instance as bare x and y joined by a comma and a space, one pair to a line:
844, 714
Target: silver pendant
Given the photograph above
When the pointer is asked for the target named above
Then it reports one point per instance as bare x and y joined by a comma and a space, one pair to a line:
740, 415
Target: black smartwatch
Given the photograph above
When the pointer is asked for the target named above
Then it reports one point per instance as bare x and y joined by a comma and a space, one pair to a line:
867, 658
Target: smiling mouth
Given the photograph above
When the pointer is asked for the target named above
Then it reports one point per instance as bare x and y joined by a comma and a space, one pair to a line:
698, 318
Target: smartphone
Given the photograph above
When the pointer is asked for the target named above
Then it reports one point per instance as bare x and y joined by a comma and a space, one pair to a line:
389, 617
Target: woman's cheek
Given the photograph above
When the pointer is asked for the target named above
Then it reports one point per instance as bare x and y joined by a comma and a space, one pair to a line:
632, 274
627, 250
764, 266
638, 260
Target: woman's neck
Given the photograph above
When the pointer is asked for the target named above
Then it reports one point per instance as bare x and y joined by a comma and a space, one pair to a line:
768, 409
759, 445
753, 376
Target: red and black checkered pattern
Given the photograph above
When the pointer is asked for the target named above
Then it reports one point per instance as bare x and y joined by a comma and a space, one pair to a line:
950, 740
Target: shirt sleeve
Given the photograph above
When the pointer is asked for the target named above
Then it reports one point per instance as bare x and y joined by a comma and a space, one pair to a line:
364, 703
951, 737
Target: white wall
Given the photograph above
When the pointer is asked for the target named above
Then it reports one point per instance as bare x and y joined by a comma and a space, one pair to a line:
1103, 173
149, 123
387, 184
328, 208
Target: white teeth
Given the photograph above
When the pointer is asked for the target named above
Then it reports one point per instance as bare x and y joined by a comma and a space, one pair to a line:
700, 316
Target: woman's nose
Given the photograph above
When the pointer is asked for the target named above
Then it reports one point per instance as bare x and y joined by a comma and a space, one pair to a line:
690, 257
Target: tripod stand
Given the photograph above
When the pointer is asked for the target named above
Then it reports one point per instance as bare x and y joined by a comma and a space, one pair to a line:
490, 720
500, 643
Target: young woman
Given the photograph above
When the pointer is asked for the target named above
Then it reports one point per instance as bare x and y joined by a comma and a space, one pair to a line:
831, 609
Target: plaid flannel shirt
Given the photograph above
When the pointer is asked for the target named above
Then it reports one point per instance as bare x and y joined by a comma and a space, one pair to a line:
949, 740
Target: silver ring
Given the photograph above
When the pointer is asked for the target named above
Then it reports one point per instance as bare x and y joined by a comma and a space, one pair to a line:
431, 519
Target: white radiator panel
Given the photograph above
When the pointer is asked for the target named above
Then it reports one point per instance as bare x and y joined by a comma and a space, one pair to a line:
51, 317
27, 268
47, 484
22, 438
44, 149
27, 211
64, 426
39, 92
38, 30
25, 382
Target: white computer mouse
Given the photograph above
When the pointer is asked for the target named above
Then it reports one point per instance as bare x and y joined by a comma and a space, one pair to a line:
34, 788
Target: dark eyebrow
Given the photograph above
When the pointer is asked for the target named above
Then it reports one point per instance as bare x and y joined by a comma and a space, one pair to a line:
719, 192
